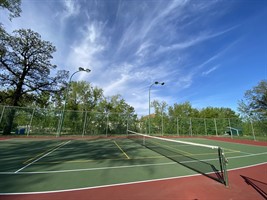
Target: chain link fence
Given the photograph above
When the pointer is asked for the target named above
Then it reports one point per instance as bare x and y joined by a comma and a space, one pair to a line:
38, 121
226, 127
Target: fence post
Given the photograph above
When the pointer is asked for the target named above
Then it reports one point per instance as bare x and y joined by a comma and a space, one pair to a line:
127, 125
162, 123
215, 127
177, 126
59, 123
253, 133
2, 114
28, 129
205, 126
107, 125
230, 128
190, 126
85, 122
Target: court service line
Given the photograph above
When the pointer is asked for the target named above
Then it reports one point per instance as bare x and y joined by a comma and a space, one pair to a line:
249, 155
120, 184
95, 169
120, 167
121, 150
60, 145
171, 148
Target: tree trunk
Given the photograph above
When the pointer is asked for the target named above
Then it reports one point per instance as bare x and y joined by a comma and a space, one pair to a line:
8, 124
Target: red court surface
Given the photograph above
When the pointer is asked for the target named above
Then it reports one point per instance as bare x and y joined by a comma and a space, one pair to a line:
248, 183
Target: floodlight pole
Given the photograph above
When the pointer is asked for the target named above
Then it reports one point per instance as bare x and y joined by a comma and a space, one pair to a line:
155, 83
81, 69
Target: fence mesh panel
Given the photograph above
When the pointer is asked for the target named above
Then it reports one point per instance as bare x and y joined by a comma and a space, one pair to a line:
36, 121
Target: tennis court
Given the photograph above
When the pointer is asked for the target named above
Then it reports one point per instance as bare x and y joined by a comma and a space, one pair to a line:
34, 165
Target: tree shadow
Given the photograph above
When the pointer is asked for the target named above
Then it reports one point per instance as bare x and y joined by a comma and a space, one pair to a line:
259, 186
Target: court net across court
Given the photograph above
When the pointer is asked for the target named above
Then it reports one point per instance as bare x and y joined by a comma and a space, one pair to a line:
205, 159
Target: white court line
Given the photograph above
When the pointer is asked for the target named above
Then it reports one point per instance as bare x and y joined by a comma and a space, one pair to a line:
119, 167
120, 184
61, 144
249, 155
94, 169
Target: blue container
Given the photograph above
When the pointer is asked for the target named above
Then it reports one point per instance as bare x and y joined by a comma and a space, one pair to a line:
22, 131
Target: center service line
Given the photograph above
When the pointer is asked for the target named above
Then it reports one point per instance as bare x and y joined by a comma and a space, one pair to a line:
61, 145
121, 150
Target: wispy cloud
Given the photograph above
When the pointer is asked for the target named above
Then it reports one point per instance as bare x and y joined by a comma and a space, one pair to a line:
194, 40
130, 44
205, 73
71, 8
88, 45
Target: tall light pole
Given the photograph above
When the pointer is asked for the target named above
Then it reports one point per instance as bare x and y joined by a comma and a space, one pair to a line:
155, 83
80, 69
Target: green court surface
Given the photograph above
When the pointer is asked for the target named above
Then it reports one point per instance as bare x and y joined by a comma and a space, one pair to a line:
40, 165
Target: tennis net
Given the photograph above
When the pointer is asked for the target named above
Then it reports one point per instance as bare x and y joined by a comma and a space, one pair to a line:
204, 159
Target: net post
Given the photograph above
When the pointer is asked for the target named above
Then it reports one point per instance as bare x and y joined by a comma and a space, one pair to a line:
223, 165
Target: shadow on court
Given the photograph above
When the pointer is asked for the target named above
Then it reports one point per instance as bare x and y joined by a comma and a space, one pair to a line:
259, 186
207, 169
182, 155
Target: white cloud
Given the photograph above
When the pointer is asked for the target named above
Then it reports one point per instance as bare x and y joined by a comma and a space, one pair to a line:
205, 73
194, 40
143, 49
71, 8
89, 44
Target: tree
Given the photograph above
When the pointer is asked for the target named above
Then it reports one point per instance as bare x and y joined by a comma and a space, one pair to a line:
215, 112
159, 107
183, 110
13, 6
25, 63
254, 103
82, 96
156, 121
115, 104
115, 113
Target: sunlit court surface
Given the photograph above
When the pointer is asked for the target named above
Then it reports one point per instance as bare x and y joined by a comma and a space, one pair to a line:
42, 166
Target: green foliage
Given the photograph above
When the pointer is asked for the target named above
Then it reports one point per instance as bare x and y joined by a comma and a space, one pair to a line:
254, 104
82, 96
26, 67
183, 110
115, 104
213, 112
13, 6
25, 64
184, 119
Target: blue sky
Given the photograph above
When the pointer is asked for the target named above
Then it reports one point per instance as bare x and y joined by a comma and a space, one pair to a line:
207, 52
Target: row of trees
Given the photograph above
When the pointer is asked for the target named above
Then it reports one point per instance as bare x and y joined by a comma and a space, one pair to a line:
183, 119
